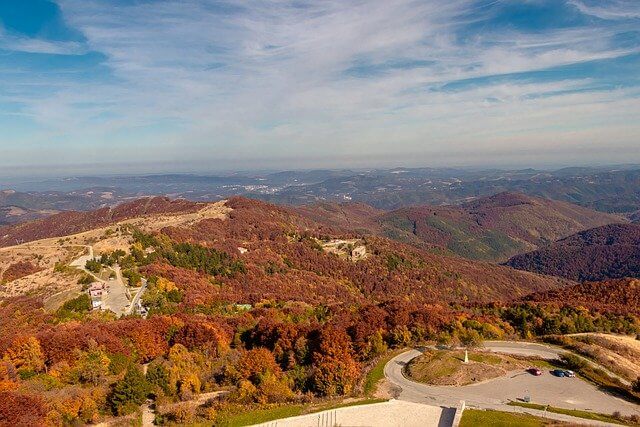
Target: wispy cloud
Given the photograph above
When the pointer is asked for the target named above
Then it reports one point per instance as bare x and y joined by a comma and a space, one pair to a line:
611, 9
206, 79
15, 43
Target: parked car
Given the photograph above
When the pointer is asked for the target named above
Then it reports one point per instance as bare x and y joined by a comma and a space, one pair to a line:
558, 373
569, 374
535, 371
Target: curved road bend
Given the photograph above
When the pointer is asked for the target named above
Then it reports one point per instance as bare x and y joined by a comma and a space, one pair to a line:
571, 393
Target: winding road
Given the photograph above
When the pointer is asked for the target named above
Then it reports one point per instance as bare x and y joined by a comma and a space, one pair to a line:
570, 393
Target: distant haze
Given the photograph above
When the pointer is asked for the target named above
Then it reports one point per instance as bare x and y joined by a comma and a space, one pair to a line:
123, 86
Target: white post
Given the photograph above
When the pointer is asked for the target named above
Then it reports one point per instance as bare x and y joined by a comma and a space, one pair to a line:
466, 356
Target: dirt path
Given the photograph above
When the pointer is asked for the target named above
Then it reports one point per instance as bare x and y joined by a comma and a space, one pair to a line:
148, 416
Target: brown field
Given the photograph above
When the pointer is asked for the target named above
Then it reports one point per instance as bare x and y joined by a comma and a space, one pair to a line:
619, 353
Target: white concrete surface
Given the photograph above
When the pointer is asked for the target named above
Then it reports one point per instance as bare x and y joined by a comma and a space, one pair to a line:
387, 414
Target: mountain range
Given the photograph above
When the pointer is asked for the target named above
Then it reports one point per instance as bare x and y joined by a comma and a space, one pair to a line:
232, 292
606, 189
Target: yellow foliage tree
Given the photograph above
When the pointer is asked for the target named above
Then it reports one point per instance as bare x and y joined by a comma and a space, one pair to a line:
183, 371
273, 389
245, 393
7, 376
188, 385
165, 285
93, 366
25, 354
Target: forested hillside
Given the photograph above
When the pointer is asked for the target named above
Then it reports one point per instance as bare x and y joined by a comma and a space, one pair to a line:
620, 296
608, 252
264, 302
490, 228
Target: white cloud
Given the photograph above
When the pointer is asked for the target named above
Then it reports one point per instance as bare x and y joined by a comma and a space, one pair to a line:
612, 9
269, 79
35, 45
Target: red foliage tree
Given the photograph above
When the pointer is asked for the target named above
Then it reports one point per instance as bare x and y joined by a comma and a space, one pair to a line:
335, 371
17, 409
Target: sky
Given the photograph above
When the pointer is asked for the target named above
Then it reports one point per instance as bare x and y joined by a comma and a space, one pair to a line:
204, 85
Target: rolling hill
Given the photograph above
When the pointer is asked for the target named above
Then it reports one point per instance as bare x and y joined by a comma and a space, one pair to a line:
71, 222
286, 257
490, 228
353, 216
17, 206
606, 189
608, 252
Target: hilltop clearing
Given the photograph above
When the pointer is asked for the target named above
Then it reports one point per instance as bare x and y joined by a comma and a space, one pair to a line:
44, 263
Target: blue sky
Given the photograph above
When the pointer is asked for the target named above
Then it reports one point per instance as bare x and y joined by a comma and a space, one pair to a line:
154, 85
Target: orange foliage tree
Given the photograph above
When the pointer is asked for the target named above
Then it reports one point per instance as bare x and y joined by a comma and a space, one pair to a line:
335, 371
25, 354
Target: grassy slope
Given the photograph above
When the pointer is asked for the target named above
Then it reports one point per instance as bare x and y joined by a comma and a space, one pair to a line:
473, 418
257, 416
433, 366
574, 413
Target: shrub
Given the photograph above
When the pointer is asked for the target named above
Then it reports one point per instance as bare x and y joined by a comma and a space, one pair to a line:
80, 304
183, 413
86, 279
573, 362
94, 266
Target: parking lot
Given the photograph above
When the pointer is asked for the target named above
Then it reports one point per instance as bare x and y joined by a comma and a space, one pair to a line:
569, 393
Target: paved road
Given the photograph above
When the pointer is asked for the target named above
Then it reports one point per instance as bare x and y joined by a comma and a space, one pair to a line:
137, 296
570, 393
543, 351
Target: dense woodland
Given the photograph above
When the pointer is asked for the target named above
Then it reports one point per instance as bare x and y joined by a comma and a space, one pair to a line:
608, 252
283, 322
490, 228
